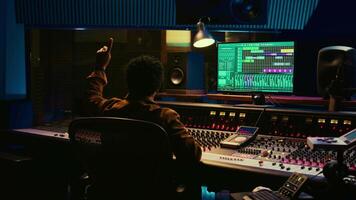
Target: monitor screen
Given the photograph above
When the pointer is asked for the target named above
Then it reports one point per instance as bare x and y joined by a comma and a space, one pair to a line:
256, 67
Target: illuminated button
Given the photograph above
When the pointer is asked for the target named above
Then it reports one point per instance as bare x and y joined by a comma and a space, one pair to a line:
353, 167
347, 122
285, 119
274, 118
321, 121
307, 163
321, 165
334, 121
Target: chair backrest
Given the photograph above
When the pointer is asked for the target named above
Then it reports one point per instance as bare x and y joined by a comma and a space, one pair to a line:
125, 158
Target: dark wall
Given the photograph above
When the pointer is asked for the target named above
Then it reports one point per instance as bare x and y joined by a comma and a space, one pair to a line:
62, 59
331, 24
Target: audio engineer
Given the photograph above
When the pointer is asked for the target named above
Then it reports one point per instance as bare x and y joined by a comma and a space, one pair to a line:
144, 75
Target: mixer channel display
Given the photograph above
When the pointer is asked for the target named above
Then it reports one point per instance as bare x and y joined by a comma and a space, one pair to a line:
256, 67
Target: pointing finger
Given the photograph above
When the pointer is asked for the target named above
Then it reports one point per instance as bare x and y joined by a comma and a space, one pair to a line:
102, 49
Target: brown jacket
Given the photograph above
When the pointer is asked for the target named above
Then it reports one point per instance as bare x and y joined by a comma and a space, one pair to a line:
183, 145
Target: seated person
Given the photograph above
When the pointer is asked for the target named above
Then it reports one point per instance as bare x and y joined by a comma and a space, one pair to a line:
144, 76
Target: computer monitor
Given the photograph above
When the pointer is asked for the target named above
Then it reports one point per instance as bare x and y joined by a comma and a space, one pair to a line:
255, 67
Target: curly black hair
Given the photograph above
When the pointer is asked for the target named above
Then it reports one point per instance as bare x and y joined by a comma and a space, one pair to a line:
144, 76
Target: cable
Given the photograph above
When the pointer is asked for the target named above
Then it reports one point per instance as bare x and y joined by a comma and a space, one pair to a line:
311, 178
308, 187
273, 101
259, 117
270, 100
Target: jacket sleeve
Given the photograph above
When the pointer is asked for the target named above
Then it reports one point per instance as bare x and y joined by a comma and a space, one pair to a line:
183, 145
95, 103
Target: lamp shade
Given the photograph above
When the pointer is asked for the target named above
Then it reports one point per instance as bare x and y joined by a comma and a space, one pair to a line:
202, 38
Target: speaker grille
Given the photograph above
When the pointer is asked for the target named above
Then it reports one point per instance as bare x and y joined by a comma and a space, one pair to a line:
336, 63
177, 76
176, 70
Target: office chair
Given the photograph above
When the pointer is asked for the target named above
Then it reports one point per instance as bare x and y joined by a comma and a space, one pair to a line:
124, 158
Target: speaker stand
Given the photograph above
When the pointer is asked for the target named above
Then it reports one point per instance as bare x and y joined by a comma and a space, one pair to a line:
258, 101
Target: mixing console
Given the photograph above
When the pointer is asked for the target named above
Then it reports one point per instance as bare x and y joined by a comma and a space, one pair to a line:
280, 147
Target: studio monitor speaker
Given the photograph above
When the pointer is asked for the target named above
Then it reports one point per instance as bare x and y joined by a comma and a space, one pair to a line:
336, 62
184, 70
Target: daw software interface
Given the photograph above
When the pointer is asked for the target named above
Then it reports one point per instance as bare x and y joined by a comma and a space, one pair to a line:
257, 67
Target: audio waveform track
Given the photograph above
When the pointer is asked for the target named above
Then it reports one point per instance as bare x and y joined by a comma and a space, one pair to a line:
263, 82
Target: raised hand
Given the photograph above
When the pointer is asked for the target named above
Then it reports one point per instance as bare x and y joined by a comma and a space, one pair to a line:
103, 56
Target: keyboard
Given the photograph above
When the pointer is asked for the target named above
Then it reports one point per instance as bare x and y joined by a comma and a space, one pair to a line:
59, 129
56, 130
